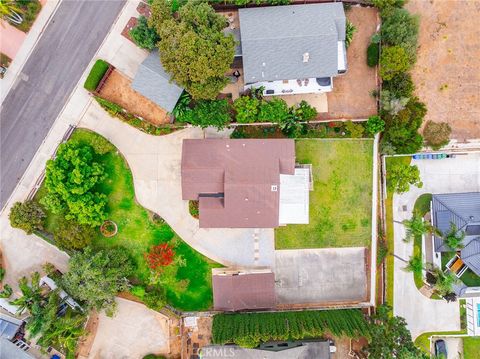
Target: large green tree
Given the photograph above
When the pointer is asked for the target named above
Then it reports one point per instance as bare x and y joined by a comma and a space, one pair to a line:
400, 176
28, 216
390, 337
95, 278
70, 180
399, 28
193, 47
71, 235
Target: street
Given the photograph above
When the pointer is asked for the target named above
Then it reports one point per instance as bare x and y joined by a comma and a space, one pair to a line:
46, 81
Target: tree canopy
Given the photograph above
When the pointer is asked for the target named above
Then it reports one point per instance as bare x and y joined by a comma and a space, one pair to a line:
400, 176
95, 278
70, 180
193, 47
28, 216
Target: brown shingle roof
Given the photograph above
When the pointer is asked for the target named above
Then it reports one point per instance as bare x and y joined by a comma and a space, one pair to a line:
240, 290
233, 179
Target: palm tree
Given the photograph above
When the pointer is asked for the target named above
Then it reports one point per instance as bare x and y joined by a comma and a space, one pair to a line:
454, 238
31, 293
443, 281
414, 264
416, 227
9, 11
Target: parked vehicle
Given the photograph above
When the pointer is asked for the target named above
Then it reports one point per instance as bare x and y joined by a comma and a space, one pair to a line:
440, 349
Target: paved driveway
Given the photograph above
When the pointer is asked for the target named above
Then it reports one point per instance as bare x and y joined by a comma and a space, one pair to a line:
321, 276
461, 174
132, 333
155, 164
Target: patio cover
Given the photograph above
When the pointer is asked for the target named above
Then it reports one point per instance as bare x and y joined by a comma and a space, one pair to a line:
295, 197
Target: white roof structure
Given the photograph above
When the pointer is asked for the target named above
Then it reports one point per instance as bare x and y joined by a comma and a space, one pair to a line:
62, 294
295, 197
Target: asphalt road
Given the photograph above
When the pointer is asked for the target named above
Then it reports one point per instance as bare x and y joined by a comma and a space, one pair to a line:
48, 77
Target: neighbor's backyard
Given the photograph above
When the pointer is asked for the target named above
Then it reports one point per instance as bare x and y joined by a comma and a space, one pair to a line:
341, 202
189, 286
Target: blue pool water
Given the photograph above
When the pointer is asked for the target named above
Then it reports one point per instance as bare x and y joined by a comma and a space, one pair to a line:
478, 315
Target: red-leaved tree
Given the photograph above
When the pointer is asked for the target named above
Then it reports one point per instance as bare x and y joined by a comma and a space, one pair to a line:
159, 256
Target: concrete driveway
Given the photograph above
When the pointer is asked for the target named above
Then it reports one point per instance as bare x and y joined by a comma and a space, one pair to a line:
155, 164
461, 174
321, 276
132, 333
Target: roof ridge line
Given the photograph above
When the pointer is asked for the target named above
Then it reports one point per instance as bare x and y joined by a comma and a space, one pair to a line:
453, 212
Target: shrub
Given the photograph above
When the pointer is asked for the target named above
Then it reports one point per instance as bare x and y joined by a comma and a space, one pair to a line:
206, 113
249, 329
143, 35
155, 298
70, 180
182, 106
70, 235
392, 104
373, 52
355, 130
193, 208
6, 292
305, 112
401, 85
28, 216
96, 74
159, 256
275, 110
374, 125
246, 108
437, 134
399, 28
382, 4
2, 273
393, 60
101, 145
350, 30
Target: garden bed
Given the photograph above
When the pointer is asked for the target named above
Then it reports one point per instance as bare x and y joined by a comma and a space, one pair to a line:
29, 12
187, 287
341, 204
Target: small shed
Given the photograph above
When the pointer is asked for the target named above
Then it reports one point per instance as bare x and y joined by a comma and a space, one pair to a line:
154, 83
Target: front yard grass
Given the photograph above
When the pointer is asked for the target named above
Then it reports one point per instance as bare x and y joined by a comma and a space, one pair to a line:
471, 348
341, 202
190, 287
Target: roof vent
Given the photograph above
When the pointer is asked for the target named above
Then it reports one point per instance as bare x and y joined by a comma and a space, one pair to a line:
306, 57
274, 188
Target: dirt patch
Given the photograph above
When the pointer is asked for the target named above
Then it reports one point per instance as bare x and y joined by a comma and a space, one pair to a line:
118, 89
447, 73
86, 342
351, 97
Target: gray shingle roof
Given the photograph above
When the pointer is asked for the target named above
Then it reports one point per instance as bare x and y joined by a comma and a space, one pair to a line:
274, 40
461, 209
153, 82
471, 255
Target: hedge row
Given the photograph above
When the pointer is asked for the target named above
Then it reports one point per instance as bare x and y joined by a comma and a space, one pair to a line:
96, 74
250, 329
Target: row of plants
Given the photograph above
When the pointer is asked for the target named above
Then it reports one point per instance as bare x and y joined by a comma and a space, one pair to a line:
250, 329
117, 111
332, 129
402, 111
387, 335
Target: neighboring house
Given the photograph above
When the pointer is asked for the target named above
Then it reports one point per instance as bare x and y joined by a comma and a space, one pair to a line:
272, 350
154, 83
293, 49
241, 289
12, 345
462, 210
245, 183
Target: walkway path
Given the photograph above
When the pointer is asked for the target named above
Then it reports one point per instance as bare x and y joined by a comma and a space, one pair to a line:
155, 164
461, 174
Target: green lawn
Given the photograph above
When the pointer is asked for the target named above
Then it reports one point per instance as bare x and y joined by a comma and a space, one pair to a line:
469, 278
189, 288
341, 202
471, 347
389, 235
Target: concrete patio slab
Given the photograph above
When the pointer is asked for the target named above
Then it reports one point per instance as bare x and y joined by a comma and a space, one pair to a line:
321, 276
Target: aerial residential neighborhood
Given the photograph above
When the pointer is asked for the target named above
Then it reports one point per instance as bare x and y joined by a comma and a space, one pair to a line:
264, 179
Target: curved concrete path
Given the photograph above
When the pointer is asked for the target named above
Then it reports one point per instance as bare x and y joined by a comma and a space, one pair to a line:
155, 164
461, 174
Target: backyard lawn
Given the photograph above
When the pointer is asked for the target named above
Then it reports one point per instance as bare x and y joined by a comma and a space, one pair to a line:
471, 348
341, 202
469, 278
188, 287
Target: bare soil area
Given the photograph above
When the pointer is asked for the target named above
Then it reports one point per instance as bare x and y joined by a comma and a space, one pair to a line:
351, 97
447, 74
118, 89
